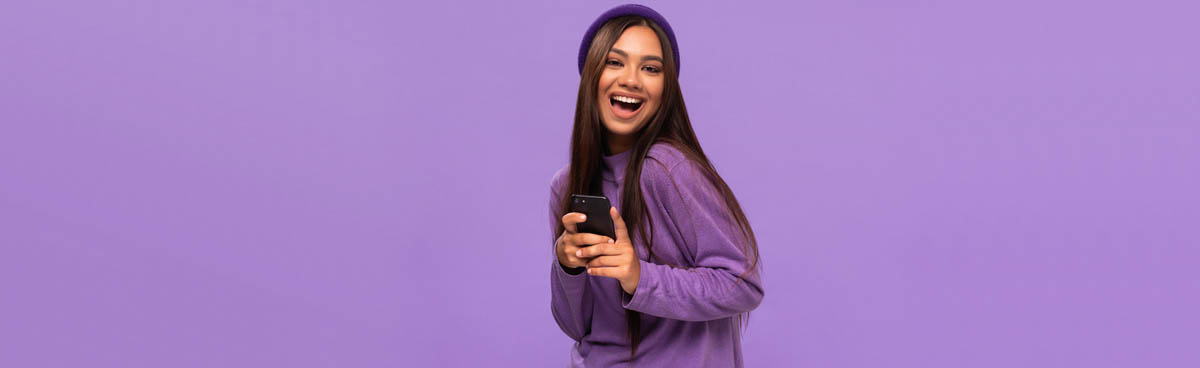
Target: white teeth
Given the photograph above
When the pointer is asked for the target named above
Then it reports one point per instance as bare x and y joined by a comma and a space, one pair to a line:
626, 99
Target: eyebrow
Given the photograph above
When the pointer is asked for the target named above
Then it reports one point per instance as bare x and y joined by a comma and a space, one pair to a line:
644, 58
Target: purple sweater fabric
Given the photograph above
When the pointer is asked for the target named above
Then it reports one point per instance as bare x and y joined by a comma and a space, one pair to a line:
687, 313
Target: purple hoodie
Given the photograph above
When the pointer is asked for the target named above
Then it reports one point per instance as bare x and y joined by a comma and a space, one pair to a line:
687, 313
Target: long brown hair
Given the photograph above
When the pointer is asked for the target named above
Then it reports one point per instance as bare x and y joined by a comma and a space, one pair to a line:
670, 124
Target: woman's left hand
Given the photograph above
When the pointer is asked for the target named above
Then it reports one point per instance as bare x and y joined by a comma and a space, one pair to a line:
617, 260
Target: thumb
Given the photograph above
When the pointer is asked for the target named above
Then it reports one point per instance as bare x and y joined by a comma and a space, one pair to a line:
619, 225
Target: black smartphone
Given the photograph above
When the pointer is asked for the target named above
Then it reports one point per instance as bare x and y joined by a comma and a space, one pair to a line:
596, 209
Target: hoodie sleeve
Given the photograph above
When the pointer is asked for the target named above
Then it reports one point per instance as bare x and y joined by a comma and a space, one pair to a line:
711, 288
570, 297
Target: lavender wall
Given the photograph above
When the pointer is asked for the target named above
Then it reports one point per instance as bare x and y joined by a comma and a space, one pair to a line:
364, 183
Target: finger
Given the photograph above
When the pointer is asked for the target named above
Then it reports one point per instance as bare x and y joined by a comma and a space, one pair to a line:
589, 239
604, 261
576, 262
571, 259
603, 271
571, 218
606, 249
588, 252
619, 225
576, 253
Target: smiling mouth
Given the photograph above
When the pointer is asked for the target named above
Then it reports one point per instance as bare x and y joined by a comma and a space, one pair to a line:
625, 107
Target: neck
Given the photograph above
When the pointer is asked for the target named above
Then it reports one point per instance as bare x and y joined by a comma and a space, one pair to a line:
618, 143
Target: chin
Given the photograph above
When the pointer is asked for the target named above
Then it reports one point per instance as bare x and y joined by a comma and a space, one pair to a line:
622, 128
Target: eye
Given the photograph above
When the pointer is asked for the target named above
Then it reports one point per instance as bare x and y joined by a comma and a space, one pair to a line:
652, 69
613, 62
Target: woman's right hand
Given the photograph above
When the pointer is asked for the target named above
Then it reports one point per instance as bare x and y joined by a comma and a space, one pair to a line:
571, 241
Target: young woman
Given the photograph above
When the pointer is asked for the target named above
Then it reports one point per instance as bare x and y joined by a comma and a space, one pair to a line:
673, 287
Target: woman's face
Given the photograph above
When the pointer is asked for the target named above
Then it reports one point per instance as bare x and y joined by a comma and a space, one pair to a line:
631, 85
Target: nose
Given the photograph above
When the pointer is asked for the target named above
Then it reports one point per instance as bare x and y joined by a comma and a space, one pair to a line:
630, 79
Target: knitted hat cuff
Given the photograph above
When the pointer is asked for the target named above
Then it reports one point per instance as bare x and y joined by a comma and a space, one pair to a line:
623, 10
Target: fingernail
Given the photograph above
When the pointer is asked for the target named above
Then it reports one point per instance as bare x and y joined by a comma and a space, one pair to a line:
582, 217
610, 241
579, 253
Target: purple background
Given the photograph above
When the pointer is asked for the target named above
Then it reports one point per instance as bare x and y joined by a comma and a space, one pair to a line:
364, 183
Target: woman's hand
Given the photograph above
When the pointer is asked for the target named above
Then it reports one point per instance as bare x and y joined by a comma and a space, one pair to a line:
570, 242
617, 260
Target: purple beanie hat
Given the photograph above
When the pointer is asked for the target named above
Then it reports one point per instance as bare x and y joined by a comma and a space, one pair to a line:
622, 10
